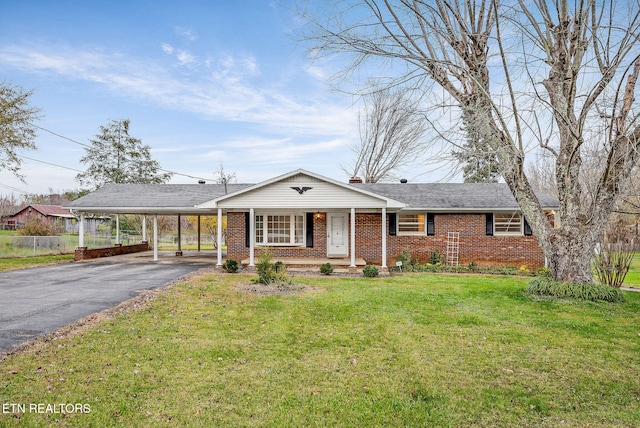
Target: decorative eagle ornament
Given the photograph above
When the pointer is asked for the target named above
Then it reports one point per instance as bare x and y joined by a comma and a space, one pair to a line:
301, 190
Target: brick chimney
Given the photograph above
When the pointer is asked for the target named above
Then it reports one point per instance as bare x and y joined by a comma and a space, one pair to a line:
355, 180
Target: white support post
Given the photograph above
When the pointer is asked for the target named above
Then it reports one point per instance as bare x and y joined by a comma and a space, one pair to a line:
199, 233
117, 229
219, 236
144, 227
179, 253
81, 231
384, 238
155, 237
353, 237
252, 234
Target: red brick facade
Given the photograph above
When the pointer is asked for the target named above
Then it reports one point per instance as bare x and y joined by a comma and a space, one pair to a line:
238, 250
475, 245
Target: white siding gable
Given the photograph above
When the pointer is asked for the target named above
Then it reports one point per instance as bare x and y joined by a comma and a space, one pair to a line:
319, 194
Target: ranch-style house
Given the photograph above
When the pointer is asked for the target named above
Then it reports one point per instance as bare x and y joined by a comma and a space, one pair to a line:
302, 214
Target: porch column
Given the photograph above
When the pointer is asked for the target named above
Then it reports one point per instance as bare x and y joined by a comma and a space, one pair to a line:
179, 253
384, 238
144, 227
252, 234
155, 237
117, 229
81, 231
219, 237
353, 237
198, 233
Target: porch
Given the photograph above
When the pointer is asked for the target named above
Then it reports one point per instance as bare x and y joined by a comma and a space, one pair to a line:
314, 263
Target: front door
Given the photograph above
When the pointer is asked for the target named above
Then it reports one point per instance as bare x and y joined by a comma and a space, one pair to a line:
337, 239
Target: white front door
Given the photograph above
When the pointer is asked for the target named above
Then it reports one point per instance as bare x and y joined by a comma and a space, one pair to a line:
337, 237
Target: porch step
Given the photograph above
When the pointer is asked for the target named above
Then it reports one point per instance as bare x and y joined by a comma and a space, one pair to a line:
313, 263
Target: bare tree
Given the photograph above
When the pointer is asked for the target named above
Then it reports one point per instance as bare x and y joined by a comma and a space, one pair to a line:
559, 74
17, 131
391, 135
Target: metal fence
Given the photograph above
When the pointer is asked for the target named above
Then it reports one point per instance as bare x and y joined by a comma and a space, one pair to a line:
29, 246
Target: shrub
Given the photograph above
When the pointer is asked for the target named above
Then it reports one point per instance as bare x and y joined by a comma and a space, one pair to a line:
272, 273
36, 227
326, 269
544, 272
435, 258
264, 267
370, 271
611, 264
431, 268
473, 267
543, 286
230, 266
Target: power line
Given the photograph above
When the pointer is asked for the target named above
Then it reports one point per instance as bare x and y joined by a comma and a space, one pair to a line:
15, 189
52, 164
87, 145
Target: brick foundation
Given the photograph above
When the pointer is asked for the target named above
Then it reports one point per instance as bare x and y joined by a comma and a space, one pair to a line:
83, 253
475, 245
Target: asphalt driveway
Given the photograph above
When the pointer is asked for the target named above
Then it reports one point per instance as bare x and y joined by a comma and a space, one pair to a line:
41, 300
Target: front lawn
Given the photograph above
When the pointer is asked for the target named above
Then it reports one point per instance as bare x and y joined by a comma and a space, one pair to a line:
633, 277
410, 350
27, 262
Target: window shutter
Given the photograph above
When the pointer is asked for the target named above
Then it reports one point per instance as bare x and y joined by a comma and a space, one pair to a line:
431, 224
247, 229
527, 228
489, 229
392, 224
309, 230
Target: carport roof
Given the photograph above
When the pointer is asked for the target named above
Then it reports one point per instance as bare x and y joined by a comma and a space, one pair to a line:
151, 198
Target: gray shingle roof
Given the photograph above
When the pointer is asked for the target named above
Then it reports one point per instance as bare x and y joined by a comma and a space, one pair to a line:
457, 196
146, 196
149, 198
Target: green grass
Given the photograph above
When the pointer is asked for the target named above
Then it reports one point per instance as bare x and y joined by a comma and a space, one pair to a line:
410, 350
633, 277
27, 262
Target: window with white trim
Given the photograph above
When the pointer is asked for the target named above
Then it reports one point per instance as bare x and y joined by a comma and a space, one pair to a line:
280, 229
507, 223
411, 224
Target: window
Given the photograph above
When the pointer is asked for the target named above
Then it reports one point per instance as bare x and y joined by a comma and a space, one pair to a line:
280, 229
507, 223
411, 223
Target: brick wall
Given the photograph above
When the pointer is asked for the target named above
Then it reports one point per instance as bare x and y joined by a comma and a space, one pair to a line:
475, 246
83, 253
237, 249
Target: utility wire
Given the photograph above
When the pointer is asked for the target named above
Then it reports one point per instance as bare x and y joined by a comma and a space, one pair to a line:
52, 164
15, 189
87, 145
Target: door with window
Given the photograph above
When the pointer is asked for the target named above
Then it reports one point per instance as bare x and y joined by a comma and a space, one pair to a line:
337, 237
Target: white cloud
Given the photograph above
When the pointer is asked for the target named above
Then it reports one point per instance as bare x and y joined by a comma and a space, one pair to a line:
185, 57
186, 33
227, 94
167, 48
259, 151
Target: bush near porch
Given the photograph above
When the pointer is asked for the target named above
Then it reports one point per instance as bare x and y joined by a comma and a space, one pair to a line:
408, 350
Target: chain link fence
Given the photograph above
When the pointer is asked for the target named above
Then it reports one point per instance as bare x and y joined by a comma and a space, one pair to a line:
30, 246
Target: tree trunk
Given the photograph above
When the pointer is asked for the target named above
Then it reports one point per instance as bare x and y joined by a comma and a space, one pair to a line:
570, 257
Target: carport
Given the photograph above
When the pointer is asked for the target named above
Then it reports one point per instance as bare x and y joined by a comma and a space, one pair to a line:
153, 200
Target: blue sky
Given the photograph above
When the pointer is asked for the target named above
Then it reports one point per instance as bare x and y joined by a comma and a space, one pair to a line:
204, 83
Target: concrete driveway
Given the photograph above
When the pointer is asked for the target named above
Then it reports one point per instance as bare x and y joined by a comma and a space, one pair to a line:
41, 300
